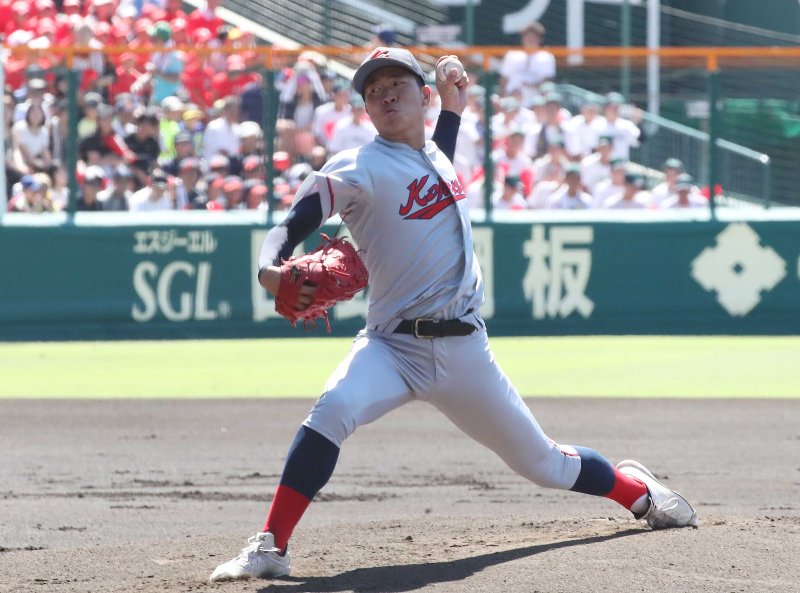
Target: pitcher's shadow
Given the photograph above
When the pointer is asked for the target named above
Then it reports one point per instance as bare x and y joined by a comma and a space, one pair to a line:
410, 577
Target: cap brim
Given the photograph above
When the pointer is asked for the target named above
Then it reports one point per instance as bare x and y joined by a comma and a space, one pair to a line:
366, 69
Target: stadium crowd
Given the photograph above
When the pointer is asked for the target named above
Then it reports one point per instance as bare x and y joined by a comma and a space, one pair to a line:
164, 129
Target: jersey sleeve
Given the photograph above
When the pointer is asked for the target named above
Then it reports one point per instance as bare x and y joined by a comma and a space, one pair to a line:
340, 184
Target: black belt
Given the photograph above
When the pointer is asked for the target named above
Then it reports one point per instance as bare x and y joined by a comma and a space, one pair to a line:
424, 327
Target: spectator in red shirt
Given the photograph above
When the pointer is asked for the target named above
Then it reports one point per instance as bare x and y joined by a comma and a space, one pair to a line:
180, 36
142, 40
70, 7
125, 19
102, 32
197, 80
173, 11
233, 80
16, 63
101, 11
204, 17
198, 74
41, 10
223, 83
5, 11
46, 29
19, 20
66, 19
124, 76
201, 36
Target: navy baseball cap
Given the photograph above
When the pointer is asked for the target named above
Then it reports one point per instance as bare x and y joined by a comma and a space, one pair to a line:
383, 57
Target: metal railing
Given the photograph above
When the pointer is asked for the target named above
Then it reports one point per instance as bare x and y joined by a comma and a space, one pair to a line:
744, 173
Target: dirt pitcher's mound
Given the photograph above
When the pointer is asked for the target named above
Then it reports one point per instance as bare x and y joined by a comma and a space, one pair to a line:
150, 496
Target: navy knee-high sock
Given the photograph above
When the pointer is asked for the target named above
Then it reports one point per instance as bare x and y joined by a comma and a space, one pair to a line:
309, 465
600, 478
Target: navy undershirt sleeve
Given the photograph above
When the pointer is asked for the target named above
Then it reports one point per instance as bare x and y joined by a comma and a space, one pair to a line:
304, 217
446, 133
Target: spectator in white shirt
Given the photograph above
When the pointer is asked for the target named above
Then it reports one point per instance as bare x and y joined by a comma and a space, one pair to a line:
666, 189
512, 115
597, 166
512, 157
611, 187
546, 185
686, 194
633, 196
570, 196
221, 136
551, 128
469, 143
30, 142
153, 197
469, 149
476, 197
510, 196
327, 115
554, 158
624, 132
476, 104
582, 132
35, 92
524, 70
355, 130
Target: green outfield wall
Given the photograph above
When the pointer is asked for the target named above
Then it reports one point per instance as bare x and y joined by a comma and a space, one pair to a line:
120, 276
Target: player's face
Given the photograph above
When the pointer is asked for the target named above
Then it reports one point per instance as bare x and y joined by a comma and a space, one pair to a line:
396, 104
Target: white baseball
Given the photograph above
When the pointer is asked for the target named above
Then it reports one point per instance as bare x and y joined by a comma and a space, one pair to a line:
445, 66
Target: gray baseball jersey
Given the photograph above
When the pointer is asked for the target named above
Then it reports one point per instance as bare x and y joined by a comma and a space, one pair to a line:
405, 209
406, 212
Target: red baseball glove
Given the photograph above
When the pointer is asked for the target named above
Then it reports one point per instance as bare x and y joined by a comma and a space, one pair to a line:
334, 268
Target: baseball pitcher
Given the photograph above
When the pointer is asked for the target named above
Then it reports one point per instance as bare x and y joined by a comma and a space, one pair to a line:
424, 337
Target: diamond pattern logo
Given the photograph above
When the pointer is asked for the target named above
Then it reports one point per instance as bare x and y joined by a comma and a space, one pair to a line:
738, 269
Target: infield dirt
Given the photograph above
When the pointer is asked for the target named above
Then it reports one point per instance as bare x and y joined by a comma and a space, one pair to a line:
102, 496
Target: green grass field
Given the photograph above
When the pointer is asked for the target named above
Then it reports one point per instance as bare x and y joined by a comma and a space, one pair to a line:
572, 366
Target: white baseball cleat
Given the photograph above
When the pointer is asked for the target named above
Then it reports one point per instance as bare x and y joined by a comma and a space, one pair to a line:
259, 559
667, 507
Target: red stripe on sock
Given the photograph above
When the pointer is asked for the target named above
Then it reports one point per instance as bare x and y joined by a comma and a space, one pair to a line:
626, 490
285, 512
